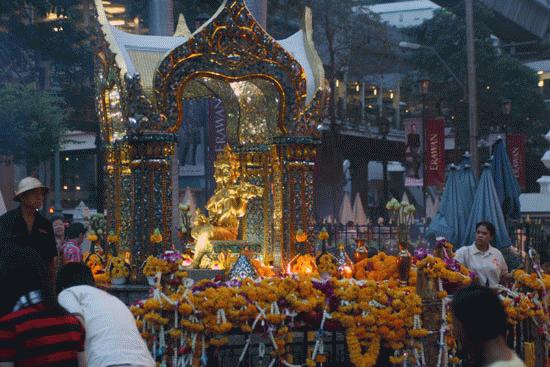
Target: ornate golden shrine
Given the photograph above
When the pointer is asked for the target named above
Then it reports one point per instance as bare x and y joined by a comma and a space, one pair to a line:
273, 104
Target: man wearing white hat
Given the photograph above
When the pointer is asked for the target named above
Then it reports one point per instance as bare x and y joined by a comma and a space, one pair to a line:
25, 226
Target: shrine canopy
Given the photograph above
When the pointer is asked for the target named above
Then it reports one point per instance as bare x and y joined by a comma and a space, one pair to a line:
143, 54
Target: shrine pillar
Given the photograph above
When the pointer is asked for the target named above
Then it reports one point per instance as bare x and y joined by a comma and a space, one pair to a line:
152, 154
294, 164
255, 227
117, 193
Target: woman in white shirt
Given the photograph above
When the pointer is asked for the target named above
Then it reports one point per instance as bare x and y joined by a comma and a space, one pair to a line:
482, 258
112, 338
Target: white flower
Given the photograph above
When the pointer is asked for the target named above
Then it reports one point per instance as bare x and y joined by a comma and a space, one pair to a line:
393, 204
409, 209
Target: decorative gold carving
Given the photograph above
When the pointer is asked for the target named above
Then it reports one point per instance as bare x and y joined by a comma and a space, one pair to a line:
252, 106
234, 46
231, 80
278, 208
234, 59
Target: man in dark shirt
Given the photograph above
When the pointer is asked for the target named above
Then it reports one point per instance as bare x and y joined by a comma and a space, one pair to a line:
25, 227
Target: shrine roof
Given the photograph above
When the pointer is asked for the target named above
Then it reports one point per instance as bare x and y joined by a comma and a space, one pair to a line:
142, 54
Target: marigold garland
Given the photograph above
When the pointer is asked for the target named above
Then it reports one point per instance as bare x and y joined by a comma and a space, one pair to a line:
379, 267
531, 281
374, 311
435, 267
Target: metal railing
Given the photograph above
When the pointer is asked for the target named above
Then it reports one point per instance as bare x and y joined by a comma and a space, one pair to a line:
383, 237
531, 234
259, 351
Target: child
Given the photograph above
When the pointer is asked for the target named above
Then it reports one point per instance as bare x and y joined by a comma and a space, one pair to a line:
70, 250
112, 338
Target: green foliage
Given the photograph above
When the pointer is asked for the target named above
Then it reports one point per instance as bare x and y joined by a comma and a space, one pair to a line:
51, 54
284, 17
32, 122
10, 8
499, 77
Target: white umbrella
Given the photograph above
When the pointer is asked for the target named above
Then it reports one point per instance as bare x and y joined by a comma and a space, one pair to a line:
345, 214
2, 204
329, 219
405, 198
189, 199
431, 206
359, 216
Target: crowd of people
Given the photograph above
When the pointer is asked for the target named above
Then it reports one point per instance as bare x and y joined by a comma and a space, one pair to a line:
51, 313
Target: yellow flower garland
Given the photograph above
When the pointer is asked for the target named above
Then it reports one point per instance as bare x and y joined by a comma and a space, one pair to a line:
327, 264
117, 268
435, 268
531, 281
153, 265
377, 311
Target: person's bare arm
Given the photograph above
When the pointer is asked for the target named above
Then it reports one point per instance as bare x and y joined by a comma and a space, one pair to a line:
81, 359
80, 318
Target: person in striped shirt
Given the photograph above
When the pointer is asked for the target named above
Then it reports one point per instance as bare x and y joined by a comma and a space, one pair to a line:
34, 329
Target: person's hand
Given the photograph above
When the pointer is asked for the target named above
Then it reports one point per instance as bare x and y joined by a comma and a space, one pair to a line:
507, 280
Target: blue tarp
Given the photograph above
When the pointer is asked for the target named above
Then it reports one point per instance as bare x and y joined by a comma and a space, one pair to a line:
467, 185
446, 222
506, 184
466, 160
486, 207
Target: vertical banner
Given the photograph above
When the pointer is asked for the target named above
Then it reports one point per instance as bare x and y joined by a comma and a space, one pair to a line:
435, 152
515, 143
414, 170
217, 138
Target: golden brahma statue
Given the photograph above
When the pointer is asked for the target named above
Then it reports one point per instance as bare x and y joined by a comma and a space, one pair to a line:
226, 207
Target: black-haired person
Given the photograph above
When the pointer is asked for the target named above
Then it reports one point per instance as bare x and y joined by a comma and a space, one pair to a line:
479, 320
482, 258
70, 250
58, 224
112, 338
34, 329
